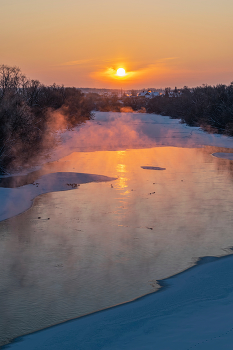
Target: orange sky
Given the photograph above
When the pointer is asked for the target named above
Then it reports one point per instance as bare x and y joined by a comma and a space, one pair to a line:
82, 43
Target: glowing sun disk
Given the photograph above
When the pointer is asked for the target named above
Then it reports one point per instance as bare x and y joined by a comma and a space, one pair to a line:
121, 72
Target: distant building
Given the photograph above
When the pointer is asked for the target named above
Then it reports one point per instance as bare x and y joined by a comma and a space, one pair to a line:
148, 93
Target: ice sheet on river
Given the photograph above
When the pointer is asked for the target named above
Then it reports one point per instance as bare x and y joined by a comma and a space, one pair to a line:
193, 310
152, 168
17, 192
223, 155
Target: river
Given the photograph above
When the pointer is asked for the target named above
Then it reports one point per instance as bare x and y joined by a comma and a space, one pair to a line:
163, 201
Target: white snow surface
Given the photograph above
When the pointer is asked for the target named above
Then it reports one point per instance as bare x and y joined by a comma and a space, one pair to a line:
194, 310
16, 200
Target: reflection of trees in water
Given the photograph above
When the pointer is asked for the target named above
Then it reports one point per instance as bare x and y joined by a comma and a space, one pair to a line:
18, 181
221, 163
224, 164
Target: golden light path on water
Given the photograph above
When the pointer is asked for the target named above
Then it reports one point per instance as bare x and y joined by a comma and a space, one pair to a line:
107, 243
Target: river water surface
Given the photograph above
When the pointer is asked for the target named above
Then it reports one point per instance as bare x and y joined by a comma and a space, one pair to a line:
105, 243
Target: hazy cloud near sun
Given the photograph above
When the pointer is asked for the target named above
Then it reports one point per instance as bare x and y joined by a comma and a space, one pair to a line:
102, 71
111, 73
134, 70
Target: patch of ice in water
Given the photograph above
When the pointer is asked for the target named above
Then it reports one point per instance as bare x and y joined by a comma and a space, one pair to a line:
152, 168
223, 155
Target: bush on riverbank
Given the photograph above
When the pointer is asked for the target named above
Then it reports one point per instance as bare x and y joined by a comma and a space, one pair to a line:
31, 113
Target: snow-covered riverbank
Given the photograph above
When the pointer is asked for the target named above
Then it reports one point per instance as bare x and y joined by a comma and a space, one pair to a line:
194, 310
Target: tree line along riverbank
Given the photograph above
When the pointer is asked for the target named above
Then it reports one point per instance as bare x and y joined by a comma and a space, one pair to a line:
31, 113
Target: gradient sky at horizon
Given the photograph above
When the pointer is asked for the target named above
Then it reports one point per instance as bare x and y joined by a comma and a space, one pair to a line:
82, 43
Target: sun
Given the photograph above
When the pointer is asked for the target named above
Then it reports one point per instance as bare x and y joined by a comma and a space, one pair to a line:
120, 72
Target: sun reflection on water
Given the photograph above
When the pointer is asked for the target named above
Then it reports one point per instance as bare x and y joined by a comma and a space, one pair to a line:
121, 170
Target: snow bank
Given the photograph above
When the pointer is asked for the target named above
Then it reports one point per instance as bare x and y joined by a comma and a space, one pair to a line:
16, 200
194, 309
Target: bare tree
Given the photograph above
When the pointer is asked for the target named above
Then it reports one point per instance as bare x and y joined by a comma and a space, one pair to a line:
11, 78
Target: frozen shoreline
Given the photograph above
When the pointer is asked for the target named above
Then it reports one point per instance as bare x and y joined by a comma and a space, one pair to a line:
14, 201
193, 310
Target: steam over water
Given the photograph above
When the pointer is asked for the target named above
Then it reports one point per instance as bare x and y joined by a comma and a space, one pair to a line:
156, 211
